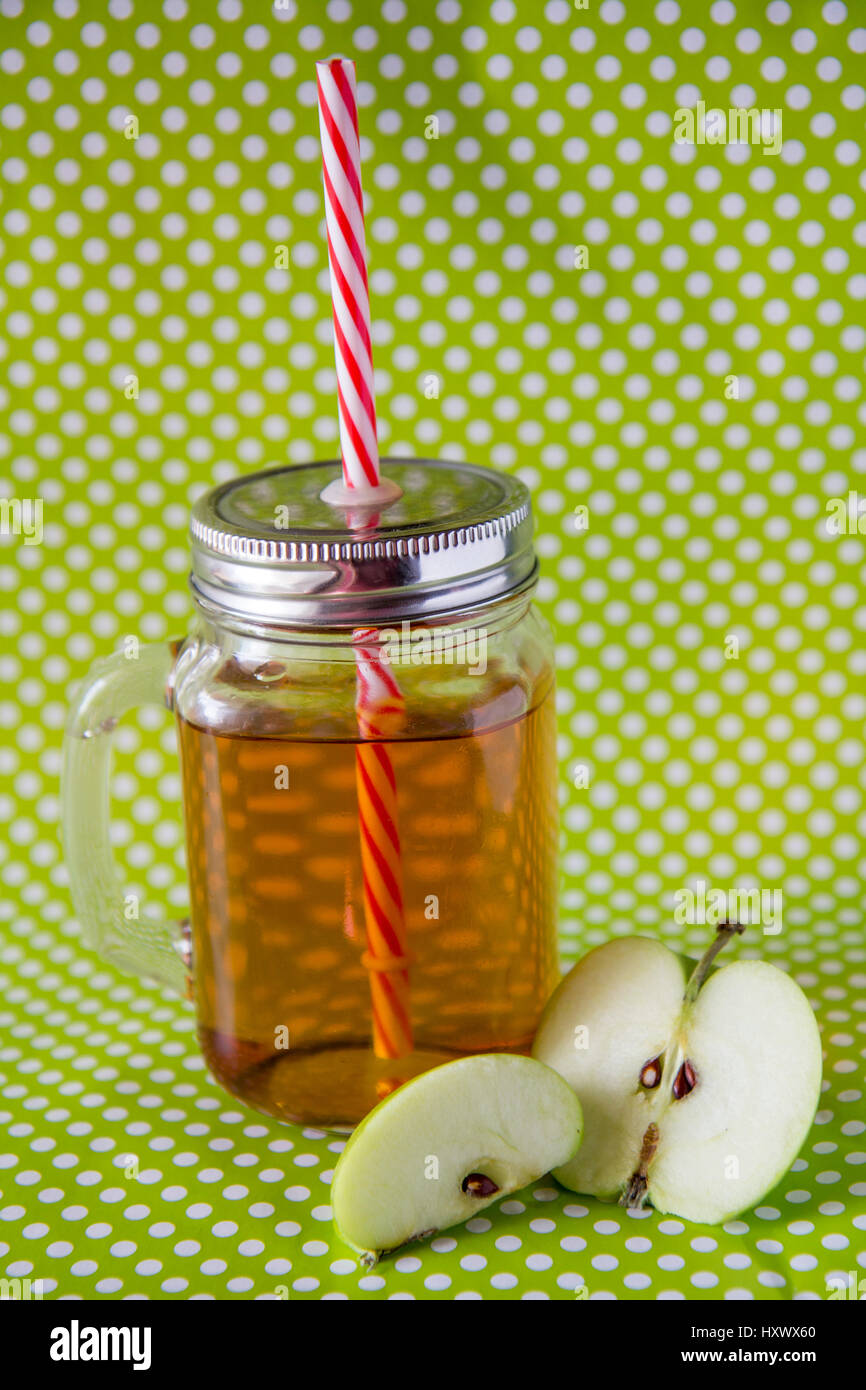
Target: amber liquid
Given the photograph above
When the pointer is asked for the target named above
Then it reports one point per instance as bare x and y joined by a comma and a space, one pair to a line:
283, 996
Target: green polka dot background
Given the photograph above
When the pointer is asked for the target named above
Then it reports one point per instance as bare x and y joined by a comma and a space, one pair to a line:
662, 338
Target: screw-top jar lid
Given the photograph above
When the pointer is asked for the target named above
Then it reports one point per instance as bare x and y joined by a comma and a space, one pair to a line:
266, 548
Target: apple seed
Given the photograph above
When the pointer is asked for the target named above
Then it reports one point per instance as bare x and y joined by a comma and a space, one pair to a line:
479, 1185
684, 1081
651, 1073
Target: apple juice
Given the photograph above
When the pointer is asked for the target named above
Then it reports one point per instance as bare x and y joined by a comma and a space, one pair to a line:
277, 910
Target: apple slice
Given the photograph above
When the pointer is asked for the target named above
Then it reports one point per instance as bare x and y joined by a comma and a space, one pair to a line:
698, 1088
447, 1144
610, 1015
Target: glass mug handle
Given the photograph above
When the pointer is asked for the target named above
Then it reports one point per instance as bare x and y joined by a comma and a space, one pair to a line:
159, 951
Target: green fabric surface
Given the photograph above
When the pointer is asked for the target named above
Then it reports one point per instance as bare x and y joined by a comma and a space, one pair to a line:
124, 1171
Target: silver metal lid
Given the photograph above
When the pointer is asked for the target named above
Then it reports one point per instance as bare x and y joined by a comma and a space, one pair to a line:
266, 548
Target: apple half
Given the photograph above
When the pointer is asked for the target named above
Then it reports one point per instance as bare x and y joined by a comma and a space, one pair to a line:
447, 1144
698, 1086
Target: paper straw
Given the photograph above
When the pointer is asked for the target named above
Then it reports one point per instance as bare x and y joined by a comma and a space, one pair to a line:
378, 703
380, 710
347, 254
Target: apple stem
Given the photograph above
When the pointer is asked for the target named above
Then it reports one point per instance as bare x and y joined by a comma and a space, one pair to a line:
634, 1194
724, 932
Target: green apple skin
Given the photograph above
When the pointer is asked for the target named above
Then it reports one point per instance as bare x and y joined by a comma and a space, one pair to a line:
401, 1174
753, 1041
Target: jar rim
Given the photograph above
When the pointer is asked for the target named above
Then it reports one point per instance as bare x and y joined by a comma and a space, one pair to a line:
290, 626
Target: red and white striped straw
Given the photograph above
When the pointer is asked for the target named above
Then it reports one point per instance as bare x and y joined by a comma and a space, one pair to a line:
347, 253
380, 709
378, 702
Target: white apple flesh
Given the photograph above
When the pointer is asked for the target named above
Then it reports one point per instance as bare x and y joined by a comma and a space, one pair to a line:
447, 1144
697, 1091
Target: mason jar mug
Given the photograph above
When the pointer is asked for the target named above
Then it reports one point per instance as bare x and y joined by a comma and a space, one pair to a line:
366, 727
